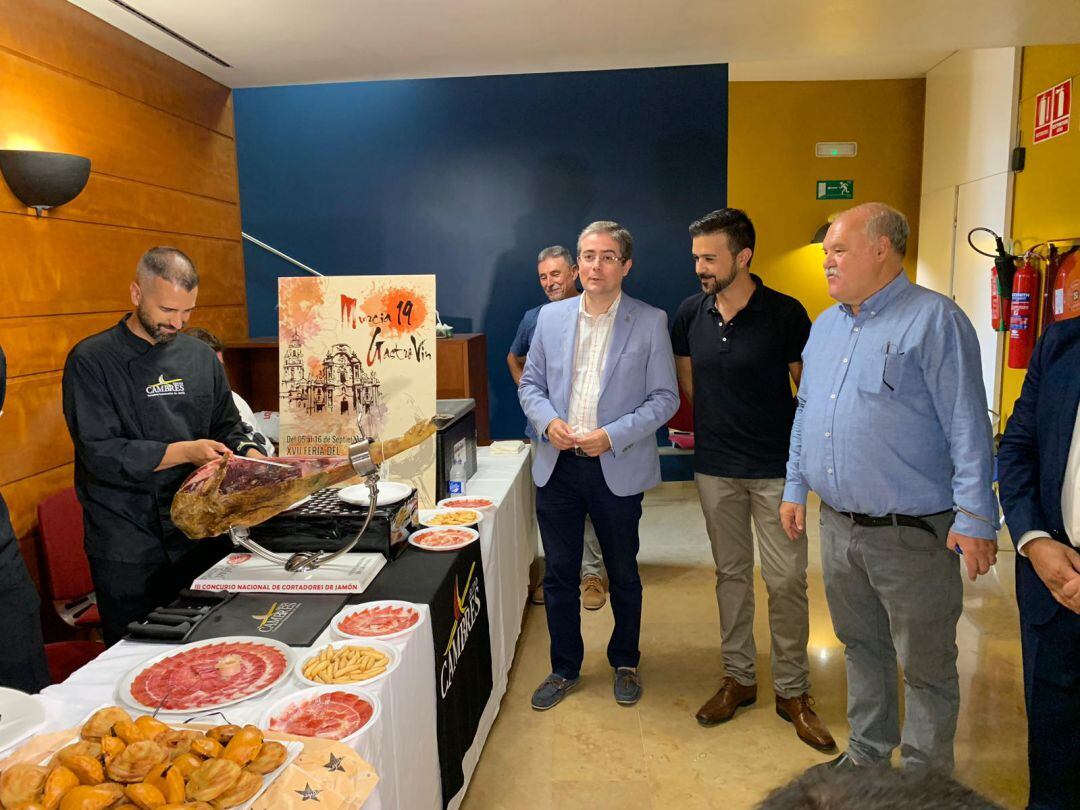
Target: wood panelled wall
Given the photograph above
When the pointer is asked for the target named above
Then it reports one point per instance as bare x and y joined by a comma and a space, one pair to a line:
159, 136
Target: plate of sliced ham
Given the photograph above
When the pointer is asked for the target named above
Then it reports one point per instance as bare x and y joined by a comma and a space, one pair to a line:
328, 712
443, 539
385, 619
206, 675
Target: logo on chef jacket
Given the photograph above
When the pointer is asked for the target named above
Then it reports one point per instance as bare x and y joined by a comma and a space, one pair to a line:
277, 614
165, 388
466, 604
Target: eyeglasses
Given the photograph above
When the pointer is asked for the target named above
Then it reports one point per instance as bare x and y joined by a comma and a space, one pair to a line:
603, 258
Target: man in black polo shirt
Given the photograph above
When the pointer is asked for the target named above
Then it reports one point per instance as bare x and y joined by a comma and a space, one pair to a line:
737, 348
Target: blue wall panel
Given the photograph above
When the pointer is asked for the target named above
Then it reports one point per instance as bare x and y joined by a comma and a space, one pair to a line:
468, 178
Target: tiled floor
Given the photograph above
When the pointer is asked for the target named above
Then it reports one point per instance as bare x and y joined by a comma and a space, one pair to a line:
590, 753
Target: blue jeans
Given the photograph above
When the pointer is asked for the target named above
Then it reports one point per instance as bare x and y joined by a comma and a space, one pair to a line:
577, 488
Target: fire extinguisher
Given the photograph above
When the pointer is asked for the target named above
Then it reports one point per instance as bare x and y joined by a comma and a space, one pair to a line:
1023, 315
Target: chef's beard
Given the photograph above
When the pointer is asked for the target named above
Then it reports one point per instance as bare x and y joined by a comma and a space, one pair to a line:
159, 332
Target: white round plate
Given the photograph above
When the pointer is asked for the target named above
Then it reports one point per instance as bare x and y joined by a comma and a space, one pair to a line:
414, 538
382, 603
381, 646
389, 492
129, 679
424, 517
453, 501
20, 716
293, 698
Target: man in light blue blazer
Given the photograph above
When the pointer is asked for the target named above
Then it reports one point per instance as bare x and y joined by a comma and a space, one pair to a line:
599, 381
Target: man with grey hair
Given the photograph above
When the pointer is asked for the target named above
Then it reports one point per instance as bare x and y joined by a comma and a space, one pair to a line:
146, 405
891, 431
599, 381
558, 274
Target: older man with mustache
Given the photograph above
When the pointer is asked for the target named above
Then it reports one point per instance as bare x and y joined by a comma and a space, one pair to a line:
892, 432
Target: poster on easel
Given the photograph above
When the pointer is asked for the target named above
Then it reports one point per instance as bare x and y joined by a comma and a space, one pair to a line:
358, 348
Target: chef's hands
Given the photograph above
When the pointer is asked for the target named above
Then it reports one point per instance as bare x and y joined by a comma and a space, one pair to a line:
1058, 566
197, 452
203, 451
793, 519
560, 435
253, 453
978, 554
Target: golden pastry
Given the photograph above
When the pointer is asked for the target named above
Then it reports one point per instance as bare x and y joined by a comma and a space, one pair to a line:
135, 761
177, 742
102, 721
88, 748
21, 784
150, 726
186, 763
222, 733
87, 768
269, 758
110, 747
87, 797
205, 747
245, 787
59, 781
211, 779
244, 745
128, 731
145, 796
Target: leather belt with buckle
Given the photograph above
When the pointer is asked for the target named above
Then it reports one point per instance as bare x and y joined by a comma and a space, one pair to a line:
577, 451
880, 521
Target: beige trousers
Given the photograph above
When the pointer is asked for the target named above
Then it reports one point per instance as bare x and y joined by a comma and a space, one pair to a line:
729, 504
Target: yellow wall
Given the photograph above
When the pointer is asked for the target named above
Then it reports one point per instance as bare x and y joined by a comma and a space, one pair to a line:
772, 170
1045, 203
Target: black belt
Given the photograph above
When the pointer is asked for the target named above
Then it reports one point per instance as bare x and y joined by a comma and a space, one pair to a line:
577, 451
880, 521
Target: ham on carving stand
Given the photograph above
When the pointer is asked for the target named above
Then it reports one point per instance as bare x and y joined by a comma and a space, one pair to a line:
236, 492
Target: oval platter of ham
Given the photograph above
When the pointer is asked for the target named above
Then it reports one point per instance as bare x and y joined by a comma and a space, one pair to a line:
388, 618
443, 538
327, 712
207, 675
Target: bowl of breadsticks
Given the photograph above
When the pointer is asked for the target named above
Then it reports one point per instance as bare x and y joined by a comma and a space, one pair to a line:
347, 662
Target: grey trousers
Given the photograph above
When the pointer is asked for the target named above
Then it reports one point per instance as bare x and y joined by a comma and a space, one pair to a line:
729, 504
895, 592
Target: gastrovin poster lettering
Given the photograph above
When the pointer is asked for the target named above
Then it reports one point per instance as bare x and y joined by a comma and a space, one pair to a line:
358, 352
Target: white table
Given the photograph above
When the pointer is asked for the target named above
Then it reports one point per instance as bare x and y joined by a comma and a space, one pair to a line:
401, 744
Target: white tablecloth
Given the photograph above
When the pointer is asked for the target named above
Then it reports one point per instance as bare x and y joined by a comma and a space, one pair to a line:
401, 743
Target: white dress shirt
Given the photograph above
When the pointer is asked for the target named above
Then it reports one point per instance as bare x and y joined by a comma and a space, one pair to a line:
1070, 496
590, 357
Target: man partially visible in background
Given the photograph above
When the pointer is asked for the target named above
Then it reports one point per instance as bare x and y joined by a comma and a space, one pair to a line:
558, 274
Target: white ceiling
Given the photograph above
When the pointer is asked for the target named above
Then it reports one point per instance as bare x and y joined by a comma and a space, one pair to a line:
272, 42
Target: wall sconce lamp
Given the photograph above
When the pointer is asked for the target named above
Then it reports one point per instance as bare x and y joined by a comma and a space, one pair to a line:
43, 180
819, 234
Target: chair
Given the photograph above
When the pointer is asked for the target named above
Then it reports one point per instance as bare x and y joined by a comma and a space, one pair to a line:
681, 426
64, 657
70, 587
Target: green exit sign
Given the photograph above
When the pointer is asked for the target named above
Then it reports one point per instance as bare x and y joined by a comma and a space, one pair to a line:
835, 189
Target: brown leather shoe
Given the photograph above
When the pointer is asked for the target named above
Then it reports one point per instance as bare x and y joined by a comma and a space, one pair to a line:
811, 730
593, 596
721, 707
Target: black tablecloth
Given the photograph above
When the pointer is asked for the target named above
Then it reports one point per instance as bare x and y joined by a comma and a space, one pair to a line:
451, 583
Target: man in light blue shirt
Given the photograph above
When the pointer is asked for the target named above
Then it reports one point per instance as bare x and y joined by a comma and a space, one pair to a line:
892, 433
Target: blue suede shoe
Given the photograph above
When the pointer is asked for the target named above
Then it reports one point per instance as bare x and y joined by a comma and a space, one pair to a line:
627, 686
551, 691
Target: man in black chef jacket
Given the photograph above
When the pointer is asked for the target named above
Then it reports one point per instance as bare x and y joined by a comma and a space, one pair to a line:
22, 650
145, 406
